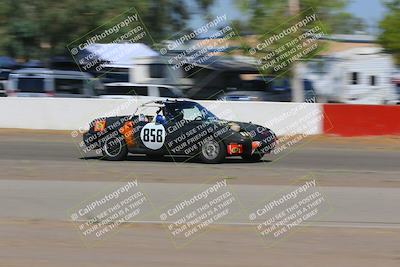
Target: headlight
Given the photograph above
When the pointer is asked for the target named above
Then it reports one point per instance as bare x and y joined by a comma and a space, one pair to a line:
235, 127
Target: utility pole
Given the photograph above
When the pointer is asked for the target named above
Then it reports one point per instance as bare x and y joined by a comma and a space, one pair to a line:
294, 7
297, 81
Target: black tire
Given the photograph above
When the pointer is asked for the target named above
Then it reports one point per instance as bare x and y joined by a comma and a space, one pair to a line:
256, 157
212, 151
114, 149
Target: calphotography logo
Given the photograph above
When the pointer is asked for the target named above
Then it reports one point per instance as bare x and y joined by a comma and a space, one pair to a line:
297, 39
191, 216
98, 218
191, 52
112, 43
295, 206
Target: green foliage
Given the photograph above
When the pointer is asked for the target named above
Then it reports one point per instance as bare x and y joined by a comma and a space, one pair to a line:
268, 13
390, 25
270, 17
346, 23
43, 28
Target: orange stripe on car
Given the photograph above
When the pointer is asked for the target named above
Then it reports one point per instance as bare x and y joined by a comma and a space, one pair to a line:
127, 131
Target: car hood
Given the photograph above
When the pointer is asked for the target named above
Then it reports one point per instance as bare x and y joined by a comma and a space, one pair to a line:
247, 126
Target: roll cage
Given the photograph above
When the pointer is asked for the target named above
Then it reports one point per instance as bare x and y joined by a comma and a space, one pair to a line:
161, 106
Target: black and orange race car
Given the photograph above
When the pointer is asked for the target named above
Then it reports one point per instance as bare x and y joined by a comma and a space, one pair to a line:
178, 128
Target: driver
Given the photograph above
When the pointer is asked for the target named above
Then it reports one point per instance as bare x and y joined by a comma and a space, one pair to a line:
172, 113
159, 118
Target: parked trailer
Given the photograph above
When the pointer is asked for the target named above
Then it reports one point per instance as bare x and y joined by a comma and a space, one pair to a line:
357, 76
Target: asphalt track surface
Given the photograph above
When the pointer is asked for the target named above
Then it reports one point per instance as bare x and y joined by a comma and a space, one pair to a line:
44, 177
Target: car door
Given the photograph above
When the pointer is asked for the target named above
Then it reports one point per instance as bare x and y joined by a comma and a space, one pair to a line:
184, 132
152, 136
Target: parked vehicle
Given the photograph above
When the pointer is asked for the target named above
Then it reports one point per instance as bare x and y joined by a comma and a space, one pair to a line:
358, 76
127, 90
260, 89
39, 82
3, 85
7, 65
130, 62
5, 73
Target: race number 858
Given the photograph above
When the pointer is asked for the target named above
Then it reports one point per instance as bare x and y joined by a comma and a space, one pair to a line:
153, 135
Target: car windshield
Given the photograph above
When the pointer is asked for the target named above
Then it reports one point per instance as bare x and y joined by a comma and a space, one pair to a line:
188, 111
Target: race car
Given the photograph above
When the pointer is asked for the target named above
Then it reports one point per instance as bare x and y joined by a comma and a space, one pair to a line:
177, 128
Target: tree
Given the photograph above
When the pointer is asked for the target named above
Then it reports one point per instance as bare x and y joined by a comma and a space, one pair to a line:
346, 23
43, 28
281, 19
390, 25
270, 17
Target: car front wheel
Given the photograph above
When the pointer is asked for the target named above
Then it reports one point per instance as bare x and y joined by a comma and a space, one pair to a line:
114, 149
212, 151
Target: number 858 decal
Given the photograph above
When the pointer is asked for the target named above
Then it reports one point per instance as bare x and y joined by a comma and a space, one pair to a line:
153, 136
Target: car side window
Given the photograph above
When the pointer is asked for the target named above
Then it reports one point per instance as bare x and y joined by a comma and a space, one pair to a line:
31, 85
354, 77
191, 114
157, 70
139, 90
116, 90
68, 86
372, 80
166, 92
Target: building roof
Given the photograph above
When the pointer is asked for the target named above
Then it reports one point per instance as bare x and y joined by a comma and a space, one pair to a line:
117, 54
351, 38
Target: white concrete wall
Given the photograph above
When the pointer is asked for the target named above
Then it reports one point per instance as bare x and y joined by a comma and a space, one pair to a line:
73, 114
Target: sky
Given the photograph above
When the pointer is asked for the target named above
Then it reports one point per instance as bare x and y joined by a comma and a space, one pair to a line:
371, 11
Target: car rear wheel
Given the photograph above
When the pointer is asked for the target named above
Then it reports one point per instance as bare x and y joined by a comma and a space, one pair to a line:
212, 151
115, 149
256, 157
